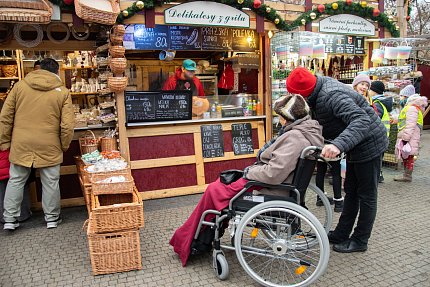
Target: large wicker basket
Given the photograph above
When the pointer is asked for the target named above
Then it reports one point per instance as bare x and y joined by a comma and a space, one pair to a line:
108, 144
100, 187
114, 252
115, 212
117, 84
88, 143
92, 14
118, 65
37, 11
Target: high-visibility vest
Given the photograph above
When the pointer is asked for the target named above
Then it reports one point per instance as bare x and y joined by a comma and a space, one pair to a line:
385, 117
401, 124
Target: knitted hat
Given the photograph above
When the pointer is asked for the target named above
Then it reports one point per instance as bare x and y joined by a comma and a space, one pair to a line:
418, 100
407, 91
292, 107
361, 78
301, 81
378, 87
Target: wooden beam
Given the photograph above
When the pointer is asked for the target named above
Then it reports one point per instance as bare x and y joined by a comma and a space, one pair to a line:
163, 193
161, 162
200, 166
230, 156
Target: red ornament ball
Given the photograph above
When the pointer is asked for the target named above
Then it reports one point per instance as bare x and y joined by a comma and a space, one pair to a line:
68, 2
408, 18
257, 4
321, 8
348, 2
376, 12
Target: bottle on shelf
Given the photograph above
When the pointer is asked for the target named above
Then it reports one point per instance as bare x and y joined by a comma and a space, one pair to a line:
213, 110
259, 108
218, 111
254, 108
249, 108
244, 107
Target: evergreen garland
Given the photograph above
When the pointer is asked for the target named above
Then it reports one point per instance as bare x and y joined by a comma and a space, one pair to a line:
63, 6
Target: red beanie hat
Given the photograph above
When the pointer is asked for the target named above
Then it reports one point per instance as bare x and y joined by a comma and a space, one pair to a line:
301, 81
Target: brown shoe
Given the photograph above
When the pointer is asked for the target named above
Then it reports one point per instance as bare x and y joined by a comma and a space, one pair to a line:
407, 176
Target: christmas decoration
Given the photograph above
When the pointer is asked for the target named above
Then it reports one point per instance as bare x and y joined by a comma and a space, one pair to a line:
321, 8
268, 10
313, 15
125, 13
68, 2
376, 12
363, 4
334, 6
276, 21
140, 5
408, 18
303, 21
397, 27
257, 4
390, 18
240, 1
348, 2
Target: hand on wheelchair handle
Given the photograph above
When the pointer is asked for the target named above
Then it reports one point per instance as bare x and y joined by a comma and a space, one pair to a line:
330, 151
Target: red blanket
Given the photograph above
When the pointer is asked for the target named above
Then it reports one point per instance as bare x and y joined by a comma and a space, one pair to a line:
216, 196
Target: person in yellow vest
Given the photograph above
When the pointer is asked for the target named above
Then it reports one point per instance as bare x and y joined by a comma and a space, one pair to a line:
382, 106
410, 125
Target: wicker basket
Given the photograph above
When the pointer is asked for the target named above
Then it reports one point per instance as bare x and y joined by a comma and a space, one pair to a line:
105, 91
118, 30
118, 65
116, 40
95, 15
117, 84
117, 51
114, 252
99, 187
38, 11
9, 70
108, 144
88, 143
116, 212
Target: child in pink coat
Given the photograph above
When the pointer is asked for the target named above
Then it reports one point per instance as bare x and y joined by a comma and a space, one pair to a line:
410, 125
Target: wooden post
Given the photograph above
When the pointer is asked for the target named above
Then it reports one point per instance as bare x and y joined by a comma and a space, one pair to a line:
122, 130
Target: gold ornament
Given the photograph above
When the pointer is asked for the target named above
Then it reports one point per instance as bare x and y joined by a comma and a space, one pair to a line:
313, 15
363, 4
125, 13
303, 21
268, 10
390, 18
334, 6
277, 21
240, 1
397, 27
140, 5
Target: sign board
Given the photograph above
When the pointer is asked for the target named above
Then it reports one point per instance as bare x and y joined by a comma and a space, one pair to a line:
244, 40
241, 135
206, 13
157, 106
212, 141
216, 38
359, 45
184, 38
347, 24
150, 38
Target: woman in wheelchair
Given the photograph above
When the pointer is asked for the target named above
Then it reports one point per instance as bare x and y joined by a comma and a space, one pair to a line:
275, 164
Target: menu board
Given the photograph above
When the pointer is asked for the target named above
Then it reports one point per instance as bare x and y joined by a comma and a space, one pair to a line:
245, 40
158, 106
242, 138
339, 44
185, 38
150, 38
216, 38
349, 44
359, 45
212, 141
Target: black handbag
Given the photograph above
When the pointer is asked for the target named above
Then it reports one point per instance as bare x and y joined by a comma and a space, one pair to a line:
230, 175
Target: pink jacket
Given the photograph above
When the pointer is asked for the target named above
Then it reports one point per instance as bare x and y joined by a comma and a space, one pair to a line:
412, 132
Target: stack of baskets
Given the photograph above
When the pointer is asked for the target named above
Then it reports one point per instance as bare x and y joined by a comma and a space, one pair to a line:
117, 61
115, 215
89, 143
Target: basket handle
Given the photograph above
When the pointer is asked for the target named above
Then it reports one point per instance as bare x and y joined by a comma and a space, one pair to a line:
90, 131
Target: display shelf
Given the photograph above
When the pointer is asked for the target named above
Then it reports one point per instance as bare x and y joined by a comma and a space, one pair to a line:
79, 68
84, 93
9, 78
95, 128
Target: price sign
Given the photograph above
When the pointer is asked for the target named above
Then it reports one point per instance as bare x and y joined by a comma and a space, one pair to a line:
212, 141
242, 138
150, 38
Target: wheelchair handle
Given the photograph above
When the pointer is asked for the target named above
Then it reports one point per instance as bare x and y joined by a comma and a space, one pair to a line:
316, 150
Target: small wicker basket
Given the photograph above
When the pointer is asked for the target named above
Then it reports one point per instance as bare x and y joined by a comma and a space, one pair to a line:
116, 40
92, 14
88, 143
118, 30
118, 65
117, 84
108, 144
117, 51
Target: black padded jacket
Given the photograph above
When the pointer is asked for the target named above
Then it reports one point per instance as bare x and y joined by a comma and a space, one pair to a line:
348, 120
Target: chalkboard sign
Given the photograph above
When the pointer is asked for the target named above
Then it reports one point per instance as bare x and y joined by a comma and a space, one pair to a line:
359, 45
242, 138
349, 44
245, 40
216, 38
185, 38
212, 141
158, 106
151, 38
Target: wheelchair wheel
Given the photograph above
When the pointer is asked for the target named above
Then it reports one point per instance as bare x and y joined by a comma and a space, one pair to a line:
220, 265
323, 213
282, 258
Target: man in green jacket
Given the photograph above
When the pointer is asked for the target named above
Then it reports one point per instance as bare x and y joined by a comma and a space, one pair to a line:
36, 124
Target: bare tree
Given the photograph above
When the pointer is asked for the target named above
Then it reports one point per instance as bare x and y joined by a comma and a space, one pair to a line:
420, 18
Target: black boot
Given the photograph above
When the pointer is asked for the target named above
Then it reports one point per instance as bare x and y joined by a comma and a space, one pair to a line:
338, 204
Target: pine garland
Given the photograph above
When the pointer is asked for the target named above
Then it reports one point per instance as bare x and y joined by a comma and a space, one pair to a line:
63, 6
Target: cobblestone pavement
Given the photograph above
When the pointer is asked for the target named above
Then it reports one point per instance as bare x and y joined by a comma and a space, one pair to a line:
398, 253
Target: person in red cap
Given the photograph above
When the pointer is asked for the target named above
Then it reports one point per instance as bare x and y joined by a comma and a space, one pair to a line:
353, 127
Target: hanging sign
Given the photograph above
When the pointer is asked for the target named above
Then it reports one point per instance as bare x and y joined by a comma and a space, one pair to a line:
206, 13
347, 24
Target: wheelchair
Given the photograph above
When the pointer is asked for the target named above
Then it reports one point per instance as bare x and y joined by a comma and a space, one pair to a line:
277, 240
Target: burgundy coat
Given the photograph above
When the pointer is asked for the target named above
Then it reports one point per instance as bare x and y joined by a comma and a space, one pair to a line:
4, 164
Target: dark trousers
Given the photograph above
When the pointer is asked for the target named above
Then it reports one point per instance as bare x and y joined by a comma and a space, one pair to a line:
337, 179
361, 193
